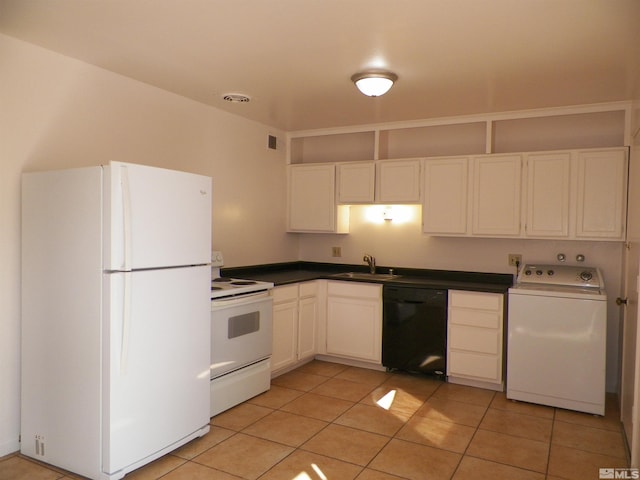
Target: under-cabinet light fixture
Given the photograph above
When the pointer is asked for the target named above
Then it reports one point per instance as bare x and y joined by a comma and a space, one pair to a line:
374, 83
390, 214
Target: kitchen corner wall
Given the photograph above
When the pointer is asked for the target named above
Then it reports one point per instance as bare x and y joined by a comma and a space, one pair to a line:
396, 244
57, 112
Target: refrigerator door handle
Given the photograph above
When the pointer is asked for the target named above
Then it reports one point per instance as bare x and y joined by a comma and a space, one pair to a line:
126, 323
126, 217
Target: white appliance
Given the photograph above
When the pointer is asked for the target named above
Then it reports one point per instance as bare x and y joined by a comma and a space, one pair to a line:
115, 315
557, 331
241, 338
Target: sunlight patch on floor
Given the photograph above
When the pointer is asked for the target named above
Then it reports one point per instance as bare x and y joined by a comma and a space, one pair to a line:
305, 476
386, 401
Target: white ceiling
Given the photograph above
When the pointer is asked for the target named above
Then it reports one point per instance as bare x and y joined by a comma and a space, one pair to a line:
294, 58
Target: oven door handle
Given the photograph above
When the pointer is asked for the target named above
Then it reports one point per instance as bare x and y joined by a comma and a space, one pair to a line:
245, 299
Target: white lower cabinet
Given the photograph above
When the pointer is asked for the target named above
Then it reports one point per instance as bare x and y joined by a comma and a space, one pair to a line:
475, 339
295, 318
308, 314
354, 321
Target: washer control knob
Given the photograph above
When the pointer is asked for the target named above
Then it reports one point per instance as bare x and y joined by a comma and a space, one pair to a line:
586, 276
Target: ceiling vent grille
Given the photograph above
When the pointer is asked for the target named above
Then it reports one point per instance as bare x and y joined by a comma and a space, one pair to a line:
236, 98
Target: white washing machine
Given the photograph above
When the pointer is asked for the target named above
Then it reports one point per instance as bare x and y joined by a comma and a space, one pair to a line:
557, 334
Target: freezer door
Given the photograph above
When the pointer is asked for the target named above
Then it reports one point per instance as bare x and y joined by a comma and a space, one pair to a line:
155, 217
156, 368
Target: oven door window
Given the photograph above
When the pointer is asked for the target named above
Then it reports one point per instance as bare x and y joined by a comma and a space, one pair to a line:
243, 324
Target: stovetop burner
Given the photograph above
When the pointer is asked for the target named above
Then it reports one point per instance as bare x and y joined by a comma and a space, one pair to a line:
234, 287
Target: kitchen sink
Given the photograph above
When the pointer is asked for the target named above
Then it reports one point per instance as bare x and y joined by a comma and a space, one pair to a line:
366, 276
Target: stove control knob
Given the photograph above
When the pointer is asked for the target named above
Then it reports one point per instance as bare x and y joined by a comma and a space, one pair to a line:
586, 276
551, 273
527, 272
538, 272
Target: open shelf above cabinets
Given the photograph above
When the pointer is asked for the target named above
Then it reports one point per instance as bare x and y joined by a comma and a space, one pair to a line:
580, 127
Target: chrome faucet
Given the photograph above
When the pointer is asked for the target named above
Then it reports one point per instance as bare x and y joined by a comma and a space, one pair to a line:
371, 261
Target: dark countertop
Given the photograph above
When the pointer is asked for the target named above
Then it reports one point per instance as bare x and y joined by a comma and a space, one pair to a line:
295, 272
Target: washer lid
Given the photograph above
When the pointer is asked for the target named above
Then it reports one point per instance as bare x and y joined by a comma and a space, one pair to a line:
561, 276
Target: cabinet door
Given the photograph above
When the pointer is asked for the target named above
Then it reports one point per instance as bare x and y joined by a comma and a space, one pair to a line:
398, 181
548, 187
445, 187
307, 324
356, 182
475, 336
312, 202
475, 366
496, 195
285, 320
354, 321
601, 203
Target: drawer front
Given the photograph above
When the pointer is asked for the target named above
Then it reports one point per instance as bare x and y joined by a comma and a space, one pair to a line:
475, 318
477, 300
354, 289
308, 289
474, 365
473, 339
284, 293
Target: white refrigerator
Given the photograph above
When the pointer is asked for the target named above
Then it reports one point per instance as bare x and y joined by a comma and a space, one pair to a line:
115, 315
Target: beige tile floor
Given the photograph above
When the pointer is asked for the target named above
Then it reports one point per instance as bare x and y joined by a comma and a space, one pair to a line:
324, 421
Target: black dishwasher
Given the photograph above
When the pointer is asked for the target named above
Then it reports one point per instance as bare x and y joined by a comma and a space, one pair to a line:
414, 329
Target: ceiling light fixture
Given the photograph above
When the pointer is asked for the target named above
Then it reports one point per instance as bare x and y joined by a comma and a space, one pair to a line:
374, 83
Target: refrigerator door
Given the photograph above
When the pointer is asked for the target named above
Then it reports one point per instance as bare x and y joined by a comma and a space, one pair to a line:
155, 217
156, 370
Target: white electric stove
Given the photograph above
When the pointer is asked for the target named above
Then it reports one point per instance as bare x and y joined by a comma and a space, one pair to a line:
241, 338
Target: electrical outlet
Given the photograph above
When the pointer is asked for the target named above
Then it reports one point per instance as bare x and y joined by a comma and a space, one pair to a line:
515, 259
336, 251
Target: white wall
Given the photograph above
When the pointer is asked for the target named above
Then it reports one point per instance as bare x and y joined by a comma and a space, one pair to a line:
56, 112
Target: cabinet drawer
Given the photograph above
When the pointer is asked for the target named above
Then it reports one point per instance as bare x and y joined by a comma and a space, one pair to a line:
475, 318
476, 365
285, 293
473, 339
308, 289
477, 300
354, 289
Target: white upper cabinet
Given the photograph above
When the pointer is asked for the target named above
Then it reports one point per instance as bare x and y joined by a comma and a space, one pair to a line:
601, 194
548, 194
566, 195
356, 182
496, 195
386, 181
312, 200
578, 194
398, 181
445, 196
